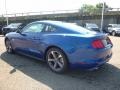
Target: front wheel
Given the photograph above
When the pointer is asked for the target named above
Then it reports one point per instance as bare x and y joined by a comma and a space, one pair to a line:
8, 46
56, 60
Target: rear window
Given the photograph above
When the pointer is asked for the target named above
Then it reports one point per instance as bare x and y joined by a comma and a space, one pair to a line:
92, 25
76, 28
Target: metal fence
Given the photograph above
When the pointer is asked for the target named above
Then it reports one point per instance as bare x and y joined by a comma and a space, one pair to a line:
40, 13
58, 12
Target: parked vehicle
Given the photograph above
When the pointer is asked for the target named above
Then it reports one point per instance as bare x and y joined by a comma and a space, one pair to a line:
10, 28
0, 29
92, 26
113, 29
62, 45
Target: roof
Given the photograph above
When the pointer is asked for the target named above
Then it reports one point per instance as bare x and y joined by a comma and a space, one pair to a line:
57, 23
68, 26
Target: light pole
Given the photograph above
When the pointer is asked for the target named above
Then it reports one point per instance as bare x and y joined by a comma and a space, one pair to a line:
6, 13
103, 6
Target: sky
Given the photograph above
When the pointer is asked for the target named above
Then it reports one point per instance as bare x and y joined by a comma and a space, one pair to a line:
20, 6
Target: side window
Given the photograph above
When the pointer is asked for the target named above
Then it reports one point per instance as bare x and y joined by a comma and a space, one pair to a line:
49, 28
109, 25
34, 28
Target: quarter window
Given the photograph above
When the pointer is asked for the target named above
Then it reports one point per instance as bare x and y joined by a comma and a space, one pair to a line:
49, 28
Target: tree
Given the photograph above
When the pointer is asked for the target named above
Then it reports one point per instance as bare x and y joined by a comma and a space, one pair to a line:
90, 9
100, 5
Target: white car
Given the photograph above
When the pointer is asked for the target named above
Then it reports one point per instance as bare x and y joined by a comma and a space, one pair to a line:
113, 29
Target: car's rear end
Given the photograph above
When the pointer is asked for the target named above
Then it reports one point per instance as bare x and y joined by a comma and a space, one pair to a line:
92, 52
5, 30
84, 49
10, 28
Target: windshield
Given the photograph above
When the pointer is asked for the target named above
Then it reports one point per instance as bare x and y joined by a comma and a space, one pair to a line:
91, 25
116, 26
13, 25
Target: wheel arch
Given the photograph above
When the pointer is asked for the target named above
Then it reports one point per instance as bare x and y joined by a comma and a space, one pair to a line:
113, 31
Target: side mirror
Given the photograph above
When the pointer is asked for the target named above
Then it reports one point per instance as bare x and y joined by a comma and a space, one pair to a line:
18, 31
23, 34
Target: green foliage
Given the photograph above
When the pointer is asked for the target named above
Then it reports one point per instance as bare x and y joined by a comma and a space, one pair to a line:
90, 9
100, 5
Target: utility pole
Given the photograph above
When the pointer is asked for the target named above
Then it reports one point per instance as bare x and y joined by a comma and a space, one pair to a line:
7, 21
103, 6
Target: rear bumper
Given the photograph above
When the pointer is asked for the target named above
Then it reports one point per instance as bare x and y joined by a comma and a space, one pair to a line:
7, 30
95, 64
89, 59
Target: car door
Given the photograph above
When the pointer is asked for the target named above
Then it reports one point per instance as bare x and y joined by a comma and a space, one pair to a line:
29, 40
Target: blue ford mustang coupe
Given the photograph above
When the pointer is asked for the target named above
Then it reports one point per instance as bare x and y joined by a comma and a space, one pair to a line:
62, 45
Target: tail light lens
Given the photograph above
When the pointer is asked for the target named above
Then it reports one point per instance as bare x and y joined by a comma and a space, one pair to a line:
98, 44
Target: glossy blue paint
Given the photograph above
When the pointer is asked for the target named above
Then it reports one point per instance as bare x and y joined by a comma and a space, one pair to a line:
75, 41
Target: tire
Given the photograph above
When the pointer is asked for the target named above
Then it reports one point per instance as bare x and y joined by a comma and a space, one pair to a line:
56, 60
8, 46
113, 33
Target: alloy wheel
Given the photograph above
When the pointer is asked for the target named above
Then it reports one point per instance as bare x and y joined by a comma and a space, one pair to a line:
8, 46
55, 60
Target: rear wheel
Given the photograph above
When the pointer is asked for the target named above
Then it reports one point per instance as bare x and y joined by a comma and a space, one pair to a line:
8, 46
56, 60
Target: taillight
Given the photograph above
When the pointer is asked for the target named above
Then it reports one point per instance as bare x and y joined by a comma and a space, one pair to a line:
98, 44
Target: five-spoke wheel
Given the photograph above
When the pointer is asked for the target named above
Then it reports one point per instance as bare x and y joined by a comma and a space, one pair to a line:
56, 60
8, 46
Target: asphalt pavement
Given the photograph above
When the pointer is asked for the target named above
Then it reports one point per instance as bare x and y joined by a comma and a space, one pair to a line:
18, 72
